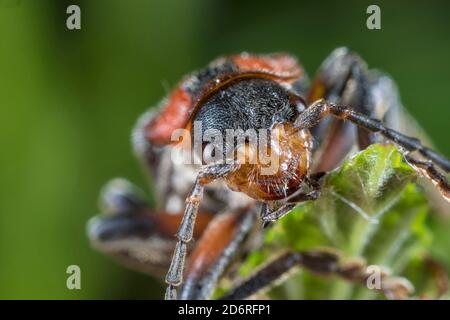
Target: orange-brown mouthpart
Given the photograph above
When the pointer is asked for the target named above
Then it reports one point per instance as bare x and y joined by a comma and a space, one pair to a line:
277, 173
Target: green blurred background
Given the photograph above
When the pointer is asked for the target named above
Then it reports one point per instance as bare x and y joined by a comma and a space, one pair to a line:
68, 100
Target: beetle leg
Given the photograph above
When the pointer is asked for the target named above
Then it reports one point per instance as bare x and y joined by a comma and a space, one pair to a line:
271, 212
429, 171
321, 108
322, 262
386, 105
342, 78
345, 79
155, 160
383, 102
134, 234
217, 247
271, 272
121, 196
208, 174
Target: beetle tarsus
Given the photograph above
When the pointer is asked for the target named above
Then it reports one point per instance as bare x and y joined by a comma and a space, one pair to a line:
174, 276
429, 171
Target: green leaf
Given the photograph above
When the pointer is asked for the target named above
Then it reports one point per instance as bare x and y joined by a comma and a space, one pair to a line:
369, 208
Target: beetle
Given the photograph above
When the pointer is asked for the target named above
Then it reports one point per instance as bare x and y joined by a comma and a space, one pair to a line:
313, 125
